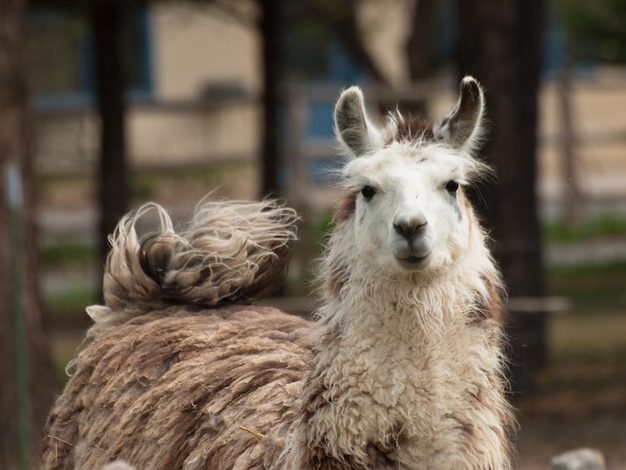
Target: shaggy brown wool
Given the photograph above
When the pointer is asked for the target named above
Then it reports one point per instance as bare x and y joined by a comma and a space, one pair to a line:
159, 390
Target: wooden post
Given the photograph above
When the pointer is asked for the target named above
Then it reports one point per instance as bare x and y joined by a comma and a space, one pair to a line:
298, 182
297, 158
113, 188
269, 27
571, 194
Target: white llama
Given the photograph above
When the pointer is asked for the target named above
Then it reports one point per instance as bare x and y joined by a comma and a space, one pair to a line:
402, 369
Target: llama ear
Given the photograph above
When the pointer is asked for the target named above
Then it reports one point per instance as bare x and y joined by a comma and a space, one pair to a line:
463, 126
352, 126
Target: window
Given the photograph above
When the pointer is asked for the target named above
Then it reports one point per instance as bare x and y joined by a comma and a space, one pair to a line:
61, 61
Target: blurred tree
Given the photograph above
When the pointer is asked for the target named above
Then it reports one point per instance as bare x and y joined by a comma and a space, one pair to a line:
421, 44
111, 82
269, 29
28, 386
500, 44
113, 186
344, 23
421, 47
594, 31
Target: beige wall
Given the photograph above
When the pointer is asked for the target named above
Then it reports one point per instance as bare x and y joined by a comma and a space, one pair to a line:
385, 26
195, 45
599, 120
192, 47
195, 136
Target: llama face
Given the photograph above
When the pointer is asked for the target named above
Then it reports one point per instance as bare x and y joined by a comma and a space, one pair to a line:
410, 213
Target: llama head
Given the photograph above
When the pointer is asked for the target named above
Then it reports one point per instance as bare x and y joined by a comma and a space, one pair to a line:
405, 201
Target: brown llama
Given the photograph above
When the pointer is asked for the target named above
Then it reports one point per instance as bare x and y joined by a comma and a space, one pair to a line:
402, 368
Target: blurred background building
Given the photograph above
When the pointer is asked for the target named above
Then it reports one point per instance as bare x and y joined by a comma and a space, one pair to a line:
193, 89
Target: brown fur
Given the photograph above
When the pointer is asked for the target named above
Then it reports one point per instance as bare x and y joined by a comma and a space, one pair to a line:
408, 129
155, 391
345, 208
338, 275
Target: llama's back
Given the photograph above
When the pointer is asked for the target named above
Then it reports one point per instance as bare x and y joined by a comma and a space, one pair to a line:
178, 388
168, 383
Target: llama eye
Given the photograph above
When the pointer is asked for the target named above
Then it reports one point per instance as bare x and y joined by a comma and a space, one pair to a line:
368, 192
452, 186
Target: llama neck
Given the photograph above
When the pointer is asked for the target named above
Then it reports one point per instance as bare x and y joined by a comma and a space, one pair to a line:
424, 305
398, 369
357, 293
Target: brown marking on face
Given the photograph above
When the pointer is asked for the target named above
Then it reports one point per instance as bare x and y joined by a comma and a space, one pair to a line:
489, 308
338, 274
409, 129
345, 208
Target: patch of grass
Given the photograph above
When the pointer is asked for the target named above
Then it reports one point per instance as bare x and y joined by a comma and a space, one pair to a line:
64, 348
192, 183
594, 337
71, 300
605, 225
590, 286
322, 226
57, 254
144, 187
609, 268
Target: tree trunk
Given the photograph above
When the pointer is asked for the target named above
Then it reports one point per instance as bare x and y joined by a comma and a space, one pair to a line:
113, 174
500, 44
28, 386
269, 28
420, 45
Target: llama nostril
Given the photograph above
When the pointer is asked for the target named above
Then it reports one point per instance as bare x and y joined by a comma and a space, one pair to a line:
410, 230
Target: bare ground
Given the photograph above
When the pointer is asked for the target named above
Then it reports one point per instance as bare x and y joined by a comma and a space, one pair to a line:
579, 403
